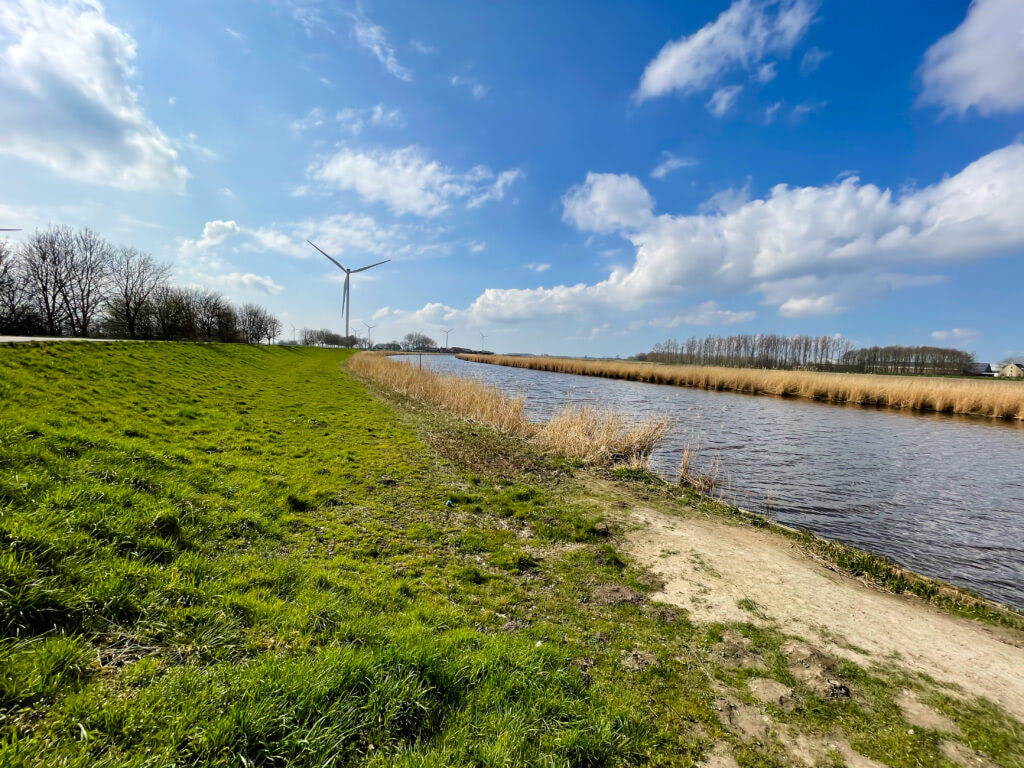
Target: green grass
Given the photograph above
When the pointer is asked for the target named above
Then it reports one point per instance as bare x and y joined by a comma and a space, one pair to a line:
229, 555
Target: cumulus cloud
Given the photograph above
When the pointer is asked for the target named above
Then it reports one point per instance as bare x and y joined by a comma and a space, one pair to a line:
68, 101
740, 38
374, 38
805, 250
354, 119
607, 202
670, 162
978, 64
723, 100
407, 181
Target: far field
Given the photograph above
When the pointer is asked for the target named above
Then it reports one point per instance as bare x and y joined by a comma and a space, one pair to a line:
230, 555
1001, 399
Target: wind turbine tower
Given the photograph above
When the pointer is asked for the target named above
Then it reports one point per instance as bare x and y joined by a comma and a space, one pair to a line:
446, 331
369, 342
482, 337
345, 300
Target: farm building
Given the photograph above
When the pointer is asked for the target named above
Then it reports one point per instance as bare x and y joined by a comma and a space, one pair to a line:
1013, 370
980, 369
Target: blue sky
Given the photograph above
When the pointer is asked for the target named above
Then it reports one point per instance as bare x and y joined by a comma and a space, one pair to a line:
563, 177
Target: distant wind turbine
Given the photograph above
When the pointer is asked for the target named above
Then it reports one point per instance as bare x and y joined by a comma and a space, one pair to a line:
346, 301
482, 337
446, 331
369, 328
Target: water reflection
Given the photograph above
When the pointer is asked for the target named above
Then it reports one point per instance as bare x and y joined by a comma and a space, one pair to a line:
943, 495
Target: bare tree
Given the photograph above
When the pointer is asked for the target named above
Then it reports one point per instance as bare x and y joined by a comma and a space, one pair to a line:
134, 277
85, 284
14, 299
46, 257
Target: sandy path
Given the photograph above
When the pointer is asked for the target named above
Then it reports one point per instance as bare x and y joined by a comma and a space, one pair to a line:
709, 566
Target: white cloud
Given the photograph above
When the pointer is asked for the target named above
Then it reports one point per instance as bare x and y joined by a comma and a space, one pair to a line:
355, 119
172, 101
326, 82
723, 100
226, 192
234, 33
477, 89
68, 103
670, 162
812, 59
811, 306
374, 38
801, 110
959, 335
766, 72
534, 267
806, 250
190, 142
771, 112
979, 64
313, 119
476, 246
420, 47
708, 313
740, 38
607, 202
246, 282
409, 182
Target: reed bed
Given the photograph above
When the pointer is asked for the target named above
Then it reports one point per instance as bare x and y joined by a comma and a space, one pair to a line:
994, 399
595, 437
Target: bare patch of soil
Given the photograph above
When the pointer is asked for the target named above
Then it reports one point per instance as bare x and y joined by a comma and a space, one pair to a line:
964, 756
920, 714
615, 594
800, 596
769, 691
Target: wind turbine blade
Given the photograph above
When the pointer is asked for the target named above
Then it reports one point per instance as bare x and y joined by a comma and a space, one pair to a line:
326, 254
5, 229
363, 269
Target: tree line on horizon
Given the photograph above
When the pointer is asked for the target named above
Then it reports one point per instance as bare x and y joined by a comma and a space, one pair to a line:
800, 352
66, 282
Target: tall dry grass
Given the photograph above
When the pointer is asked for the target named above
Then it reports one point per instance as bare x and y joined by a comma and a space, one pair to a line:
995, 399
595, 437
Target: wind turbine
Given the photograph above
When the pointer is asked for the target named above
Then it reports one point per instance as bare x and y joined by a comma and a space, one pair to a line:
446, 331
482, 337
369, 328
345, 301
8, 229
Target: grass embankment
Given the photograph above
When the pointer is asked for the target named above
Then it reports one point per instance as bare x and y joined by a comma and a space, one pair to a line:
591, 436
995, 399
226, 555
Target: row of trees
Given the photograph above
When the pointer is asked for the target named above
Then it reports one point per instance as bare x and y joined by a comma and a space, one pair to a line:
752, 351
833, 353
908, 360
63, 282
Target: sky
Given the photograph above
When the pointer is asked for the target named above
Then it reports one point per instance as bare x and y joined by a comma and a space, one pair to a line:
581, 178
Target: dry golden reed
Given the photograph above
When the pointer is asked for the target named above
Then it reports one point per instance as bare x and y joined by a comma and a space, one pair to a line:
996, 399
602, 439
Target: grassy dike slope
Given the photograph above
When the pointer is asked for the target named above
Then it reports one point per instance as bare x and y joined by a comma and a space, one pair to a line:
230, 555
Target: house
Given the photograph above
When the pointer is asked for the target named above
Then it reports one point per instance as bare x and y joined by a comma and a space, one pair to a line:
1013, 370
980, 369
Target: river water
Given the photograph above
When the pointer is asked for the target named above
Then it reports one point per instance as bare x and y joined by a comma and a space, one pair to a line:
942, 495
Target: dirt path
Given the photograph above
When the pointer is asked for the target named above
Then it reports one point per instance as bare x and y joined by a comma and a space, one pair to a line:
710, 566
